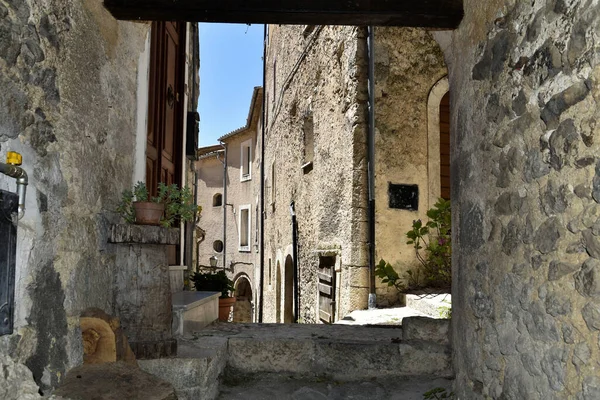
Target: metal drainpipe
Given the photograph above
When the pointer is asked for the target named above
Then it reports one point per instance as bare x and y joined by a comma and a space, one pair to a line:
22, 181
295, 255
371, 162
262, 185
224, 204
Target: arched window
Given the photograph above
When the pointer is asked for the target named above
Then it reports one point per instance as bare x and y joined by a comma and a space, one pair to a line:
217, 200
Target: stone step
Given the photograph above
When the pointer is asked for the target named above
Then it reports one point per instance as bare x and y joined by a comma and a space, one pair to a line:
281, 387
335, 351
195, 372
435, 306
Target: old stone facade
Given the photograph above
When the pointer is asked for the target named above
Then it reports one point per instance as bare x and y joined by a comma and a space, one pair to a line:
73, 102
524, 83
231, 209
316, 156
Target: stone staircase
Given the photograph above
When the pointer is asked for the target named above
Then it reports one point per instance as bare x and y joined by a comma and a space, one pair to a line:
278, 361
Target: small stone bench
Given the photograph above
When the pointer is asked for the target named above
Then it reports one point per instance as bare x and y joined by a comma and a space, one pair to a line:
193, 311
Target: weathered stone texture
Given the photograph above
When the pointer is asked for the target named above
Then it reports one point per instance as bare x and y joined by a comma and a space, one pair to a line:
68, 73
525, 83
408, 63
322, 95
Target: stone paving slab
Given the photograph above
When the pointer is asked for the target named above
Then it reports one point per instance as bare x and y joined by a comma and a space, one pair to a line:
380, 316
279, 387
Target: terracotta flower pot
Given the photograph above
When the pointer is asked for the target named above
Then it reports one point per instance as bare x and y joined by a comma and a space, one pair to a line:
225, 308
148, 213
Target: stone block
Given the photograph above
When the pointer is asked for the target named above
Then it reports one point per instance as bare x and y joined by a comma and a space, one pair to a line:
193, 311
429, 329
283, 355
144, 234
114, 381
194, 374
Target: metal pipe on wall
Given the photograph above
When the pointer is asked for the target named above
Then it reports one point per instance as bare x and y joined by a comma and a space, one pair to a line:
371, 164
22, 181
262, 185
224, 203
295, 256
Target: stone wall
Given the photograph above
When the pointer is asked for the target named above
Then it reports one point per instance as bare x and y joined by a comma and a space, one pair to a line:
408, 63
314, 90
525, 170
69, 78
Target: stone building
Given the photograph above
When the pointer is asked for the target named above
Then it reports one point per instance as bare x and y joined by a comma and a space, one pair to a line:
523, 78
316, 155
228, 191
88, 101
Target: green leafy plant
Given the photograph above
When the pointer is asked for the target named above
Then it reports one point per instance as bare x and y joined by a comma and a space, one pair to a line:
213, 282
179, 203
438, 393
433, 247
128, 197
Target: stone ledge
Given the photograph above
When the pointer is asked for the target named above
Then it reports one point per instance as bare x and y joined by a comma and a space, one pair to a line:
143, 234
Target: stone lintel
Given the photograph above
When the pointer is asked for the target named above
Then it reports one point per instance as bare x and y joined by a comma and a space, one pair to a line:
143, 234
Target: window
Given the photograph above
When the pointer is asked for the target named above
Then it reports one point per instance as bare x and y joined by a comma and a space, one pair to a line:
246, 161
244, 226
218, 246
273, 187
309, 142
217, 200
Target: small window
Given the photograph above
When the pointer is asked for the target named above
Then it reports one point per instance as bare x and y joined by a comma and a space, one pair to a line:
403, 197
273, 186
246, 161
217, 200
244, 226
218, 246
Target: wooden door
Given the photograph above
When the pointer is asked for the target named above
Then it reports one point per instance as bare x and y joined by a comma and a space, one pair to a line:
165, 119
326, 288
445, 146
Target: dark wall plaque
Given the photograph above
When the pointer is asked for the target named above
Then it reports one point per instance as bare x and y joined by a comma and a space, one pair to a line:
8, 249
403, 197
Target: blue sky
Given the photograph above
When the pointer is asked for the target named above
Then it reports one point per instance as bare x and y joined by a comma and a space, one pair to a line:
230, 68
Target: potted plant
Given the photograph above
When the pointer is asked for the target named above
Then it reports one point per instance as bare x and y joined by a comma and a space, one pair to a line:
216, 282
170, 205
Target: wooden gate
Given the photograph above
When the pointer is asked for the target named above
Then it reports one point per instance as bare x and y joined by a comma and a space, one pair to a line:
326, 274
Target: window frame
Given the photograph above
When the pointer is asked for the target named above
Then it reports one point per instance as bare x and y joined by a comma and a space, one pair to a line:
245, 248
247, 144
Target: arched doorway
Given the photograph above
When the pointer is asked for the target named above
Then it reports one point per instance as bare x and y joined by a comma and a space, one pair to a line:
242, 309
278, 293
438, 138
288, 307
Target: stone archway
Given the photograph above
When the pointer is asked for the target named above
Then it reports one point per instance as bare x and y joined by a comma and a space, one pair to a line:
434, 118
243, 307
288, 291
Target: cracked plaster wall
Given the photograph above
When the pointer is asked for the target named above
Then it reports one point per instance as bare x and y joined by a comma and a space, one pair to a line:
69, 78
525, 78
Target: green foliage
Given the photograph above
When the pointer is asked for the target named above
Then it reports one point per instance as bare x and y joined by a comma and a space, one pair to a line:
213, 282
445, 311
438, 394
433, 245
433, 248
179, 203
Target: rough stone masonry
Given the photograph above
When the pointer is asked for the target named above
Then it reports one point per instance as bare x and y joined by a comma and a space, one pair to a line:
526, 183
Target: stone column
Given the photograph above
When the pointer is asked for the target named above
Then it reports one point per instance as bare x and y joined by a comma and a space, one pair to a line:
142, 293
